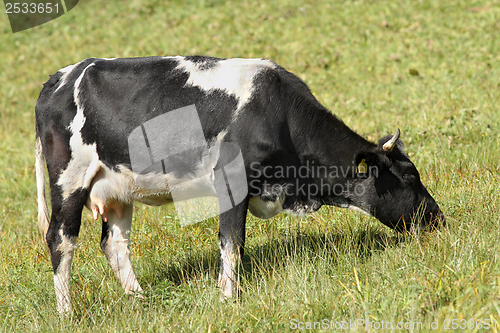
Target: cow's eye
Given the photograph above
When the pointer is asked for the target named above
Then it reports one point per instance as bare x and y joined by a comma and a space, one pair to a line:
409, 178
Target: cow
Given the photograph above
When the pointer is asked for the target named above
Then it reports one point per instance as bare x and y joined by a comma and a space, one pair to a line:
104, 130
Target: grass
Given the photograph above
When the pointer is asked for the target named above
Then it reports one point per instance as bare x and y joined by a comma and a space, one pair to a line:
431, 68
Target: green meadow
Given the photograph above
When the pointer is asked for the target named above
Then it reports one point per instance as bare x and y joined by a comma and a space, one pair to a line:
430, 68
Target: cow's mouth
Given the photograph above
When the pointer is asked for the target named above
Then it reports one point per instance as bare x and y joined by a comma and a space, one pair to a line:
430, 222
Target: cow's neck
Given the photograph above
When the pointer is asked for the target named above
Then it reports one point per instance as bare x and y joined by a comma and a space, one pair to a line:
321, 137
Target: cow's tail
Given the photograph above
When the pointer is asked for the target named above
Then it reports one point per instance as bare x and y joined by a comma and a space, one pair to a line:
43, 210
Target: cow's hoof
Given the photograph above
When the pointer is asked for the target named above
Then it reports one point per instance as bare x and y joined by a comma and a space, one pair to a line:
137, 295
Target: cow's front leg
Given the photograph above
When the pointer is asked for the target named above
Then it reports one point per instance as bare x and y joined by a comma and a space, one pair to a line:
115, 241
231, 242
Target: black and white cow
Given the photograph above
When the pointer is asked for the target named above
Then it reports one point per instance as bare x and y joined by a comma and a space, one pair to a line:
295, 155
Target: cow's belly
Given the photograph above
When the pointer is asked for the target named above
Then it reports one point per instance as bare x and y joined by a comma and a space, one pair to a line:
111, 190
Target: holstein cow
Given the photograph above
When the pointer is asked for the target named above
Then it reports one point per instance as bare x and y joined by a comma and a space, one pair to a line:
92, 119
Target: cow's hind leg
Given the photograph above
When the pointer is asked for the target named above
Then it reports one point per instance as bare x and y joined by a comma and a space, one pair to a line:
231, 242
115, 241
61, 238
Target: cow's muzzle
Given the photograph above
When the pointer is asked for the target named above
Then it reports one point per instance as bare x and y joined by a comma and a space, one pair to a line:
436, 221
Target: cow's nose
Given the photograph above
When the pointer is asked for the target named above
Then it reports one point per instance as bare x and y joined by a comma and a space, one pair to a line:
438, 220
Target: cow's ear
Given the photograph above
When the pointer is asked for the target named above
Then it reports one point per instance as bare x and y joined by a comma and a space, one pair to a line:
366, 161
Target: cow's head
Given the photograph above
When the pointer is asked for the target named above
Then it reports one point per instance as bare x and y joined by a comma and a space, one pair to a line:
392, 190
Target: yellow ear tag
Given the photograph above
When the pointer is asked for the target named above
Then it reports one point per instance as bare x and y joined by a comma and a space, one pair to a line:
362, 167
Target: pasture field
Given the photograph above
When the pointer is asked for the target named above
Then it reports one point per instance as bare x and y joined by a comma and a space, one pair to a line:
431, 68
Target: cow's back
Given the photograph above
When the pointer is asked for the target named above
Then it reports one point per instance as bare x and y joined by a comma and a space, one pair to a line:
116, 96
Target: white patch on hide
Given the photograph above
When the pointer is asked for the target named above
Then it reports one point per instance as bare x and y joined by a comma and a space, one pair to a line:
117, 249
266, 209
66, 70
228, 276
359, 210
62, 274
232, 76
84, 163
